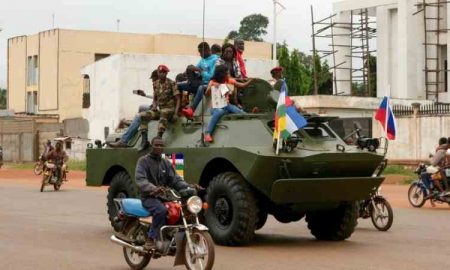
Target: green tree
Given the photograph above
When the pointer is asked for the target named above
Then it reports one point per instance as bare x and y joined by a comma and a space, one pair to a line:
253, 27
2, 99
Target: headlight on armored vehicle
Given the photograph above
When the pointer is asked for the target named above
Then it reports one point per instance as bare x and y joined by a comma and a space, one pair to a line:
194, 204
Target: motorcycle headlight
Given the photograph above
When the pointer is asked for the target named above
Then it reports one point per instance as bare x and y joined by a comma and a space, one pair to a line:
194, 204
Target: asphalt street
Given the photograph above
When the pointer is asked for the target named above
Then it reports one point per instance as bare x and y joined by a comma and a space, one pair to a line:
69, 229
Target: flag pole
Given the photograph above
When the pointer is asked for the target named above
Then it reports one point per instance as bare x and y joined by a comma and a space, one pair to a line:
278, 143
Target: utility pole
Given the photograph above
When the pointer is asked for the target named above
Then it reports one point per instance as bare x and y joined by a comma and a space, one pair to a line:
53, 20
118, 24
275, 14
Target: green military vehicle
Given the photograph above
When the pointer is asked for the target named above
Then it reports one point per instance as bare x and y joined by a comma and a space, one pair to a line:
316, 174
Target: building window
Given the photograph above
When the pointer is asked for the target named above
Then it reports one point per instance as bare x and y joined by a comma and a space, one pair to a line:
32, 102
32, 70
68, 145
86, 92
100, 56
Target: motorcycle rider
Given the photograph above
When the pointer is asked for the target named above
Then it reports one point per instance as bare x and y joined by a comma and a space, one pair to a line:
439, 159
48, 147
59, 156
153, 174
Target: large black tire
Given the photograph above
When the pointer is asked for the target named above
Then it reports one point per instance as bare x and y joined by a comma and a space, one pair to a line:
386, 208
232, 213
121, 186
335, 224
284, 215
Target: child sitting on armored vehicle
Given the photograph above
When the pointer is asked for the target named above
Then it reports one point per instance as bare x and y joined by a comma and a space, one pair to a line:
220, 92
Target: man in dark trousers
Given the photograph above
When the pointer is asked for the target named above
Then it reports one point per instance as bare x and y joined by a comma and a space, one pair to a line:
153, 174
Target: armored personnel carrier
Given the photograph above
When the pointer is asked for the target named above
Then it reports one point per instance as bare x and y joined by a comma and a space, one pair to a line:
316, 175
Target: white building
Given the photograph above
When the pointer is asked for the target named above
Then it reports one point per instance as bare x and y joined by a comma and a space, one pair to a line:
403, 26
112, 80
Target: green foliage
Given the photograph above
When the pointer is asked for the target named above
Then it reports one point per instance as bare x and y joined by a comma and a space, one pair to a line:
298, 71
358, 88
253, 28
2, 99
73, 165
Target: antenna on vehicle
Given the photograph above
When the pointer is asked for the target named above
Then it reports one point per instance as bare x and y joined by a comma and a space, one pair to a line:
202, 136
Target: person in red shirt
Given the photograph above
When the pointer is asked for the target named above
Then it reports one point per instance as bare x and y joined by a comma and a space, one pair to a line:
240, 47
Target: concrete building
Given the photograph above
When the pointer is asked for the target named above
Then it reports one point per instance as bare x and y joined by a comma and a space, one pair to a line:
411, 44
112, 80
44, 68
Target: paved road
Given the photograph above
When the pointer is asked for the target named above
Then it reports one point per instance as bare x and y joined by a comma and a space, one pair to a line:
69, 230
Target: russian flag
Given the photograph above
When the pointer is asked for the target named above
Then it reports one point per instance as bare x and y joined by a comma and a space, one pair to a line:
287, 119
386, 118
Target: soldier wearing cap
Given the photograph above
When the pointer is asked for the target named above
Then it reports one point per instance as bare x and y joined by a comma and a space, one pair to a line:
277, 75
166, 102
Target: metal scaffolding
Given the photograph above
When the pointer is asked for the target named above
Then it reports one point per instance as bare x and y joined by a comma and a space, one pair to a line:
435, 67
359, 30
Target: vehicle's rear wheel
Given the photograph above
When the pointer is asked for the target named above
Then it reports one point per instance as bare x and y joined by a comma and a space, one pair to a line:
57, 186
335, 224
135, 260
121, 186
232, 213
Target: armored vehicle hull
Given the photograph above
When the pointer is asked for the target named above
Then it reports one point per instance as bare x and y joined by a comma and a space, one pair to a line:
316, 174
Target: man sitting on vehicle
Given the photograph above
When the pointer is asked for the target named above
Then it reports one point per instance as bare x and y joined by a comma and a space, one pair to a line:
59, 157
166, 102
205, 67
153, 174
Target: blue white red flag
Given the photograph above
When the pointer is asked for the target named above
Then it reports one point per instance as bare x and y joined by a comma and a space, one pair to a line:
386, 118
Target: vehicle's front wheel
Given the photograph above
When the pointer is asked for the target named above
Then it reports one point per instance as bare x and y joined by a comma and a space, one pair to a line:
335, 224
232, 214
416, 195
381, 214
121, 186
203, 246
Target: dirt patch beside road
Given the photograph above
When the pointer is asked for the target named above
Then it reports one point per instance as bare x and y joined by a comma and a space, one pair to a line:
27, 177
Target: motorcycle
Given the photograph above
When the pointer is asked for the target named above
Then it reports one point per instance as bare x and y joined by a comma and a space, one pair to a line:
423, 188
50, 175
378, 209
183, 236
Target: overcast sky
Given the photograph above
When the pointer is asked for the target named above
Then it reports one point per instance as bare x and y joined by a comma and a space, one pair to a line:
21, 17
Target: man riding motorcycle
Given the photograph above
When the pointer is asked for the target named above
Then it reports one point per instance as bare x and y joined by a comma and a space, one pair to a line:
59, 157
438, 161
153, 173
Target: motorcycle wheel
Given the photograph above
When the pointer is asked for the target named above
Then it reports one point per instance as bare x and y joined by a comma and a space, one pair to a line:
416, 197
203, 246
135, 260
44, 179
38, 168
57, 185
383, 218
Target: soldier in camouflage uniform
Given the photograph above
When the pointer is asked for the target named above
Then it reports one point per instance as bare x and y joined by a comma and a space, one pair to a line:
165, 96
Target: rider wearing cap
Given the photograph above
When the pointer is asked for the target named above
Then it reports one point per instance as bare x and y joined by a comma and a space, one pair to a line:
166, 103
